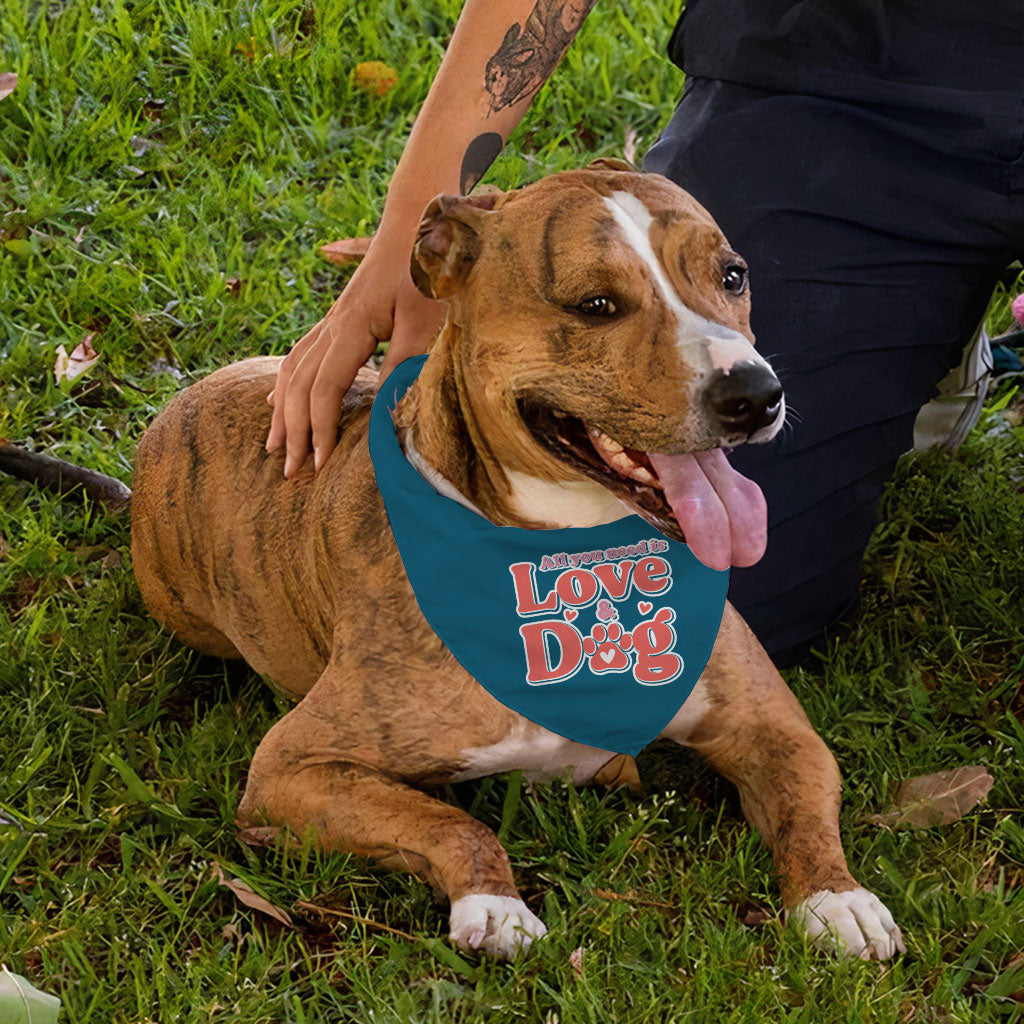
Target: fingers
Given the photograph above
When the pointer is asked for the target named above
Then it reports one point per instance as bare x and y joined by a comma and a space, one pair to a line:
334, 377
276, 435
317, 386
312, 382
315, 375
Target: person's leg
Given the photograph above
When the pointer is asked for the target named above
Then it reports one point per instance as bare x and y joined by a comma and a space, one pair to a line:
872, 256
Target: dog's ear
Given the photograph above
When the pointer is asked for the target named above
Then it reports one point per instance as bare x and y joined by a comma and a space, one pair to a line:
610, 163
449, 242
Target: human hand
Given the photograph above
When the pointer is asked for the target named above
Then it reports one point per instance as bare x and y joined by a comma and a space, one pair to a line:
380, 303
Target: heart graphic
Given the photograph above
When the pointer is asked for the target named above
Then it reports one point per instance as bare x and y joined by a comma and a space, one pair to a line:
606, 656
570, 614
644, 607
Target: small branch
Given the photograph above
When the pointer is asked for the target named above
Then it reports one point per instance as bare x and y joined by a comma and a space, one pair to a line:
632, 897
62, 477
349, 916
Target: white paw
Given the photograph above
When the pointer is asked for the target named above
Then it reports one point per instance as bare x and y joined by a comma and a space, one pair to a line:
855, 922
501, 926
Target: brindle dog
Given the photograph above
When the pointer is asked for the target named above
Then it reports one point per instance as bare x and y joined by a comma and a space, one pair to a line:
593, 317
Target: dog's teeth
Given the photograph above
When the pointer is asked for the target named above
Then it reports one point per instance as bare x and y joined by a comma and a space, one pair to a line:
615, 456
603, 443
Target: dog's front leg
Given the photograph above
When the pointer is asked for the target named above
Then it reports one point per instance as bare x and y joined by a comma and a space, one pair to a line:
745, 720
300, 778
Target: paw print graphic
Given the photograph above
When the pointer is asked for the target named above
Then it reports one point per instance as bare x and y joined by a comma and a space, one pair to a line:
606, 647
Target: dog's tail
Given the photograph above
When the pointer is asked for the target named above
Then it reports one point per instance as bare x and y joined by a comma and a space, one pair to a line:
62, 477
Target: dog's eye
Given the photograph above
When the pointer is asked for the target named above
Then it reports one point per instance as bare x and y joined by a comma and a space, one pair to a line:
734, 278
597, 305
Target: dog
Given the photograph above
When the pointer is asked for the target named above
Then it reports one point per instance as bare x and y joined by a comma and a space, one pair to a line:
598, 335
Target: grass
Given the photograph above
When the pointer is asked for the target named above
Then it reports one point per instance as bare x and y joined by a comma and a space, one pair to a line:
167, 169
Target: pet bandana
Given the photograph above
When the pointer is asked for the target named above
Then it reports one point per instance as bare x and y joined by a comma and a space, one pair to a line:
596, 633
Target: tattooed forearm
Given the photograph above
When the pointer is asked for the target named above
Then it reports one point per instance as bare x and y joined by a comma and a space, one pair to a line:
529, 52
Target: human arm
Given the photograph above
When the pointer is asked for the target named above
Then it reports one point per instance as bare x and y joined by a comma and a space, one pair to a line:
499, 56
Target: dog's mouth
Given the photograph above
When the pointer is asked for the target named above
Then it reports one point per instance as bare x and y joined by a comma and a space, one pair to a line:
696, 497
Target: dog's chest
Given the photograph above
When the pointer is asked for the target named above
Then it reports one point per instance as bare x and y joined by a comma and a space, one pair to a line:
539, 753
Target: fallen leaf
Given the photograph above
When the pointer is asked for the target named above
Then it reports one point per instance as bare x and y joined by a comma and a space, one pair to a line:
755, 917
69, 367
22, 1003
576, 961
259, 835
112, 560
346, 250
4, 547
8, 81
375, 76
233, 285
936, 799
244, 894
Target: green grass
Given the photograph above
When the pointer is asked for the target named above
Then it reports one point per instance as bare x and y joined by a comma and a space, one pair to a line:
155, 150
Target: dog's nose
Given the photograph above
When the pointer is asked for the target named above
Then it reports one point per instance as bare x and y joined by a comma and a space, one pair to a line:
745, 399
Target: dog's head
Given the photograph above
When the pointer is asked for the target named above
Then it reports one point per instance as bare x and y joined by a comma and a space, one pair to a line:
599, 322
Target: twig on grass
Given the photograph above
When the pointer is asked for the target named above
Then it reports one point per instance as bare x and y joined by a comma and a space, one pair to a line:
349, 916
60, 477
631, 897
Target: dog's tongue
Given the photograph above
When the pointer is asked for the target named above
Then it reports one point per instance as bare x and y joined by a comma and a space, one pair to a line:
723, 515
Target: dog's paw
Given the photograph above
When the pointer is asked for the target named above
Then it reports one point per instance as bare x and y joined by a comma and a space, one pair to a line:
501, 926
855, 922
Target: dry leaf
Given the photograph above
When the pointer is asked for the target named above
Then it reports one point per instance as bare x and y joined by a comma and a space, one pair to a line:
346, 250
8, 80
68, 367
244, 894
4, 547
259, 835
576, 961
755, 917
112, 560
936, 799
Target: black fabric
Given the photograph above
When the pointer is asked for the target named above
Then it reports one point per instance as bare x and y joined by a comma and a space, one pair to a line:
940, 55
874, 237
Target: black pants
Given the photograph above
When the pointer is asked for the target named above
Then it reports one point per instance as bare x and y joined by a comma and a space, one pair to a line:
874, 236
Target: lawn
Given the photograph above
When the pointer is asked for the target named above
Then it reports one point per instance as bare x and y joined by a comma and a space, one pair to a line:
168, 169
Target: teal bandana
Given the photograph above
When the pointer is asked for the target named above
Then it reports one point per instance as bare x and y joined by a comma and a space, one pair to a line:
597, 633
